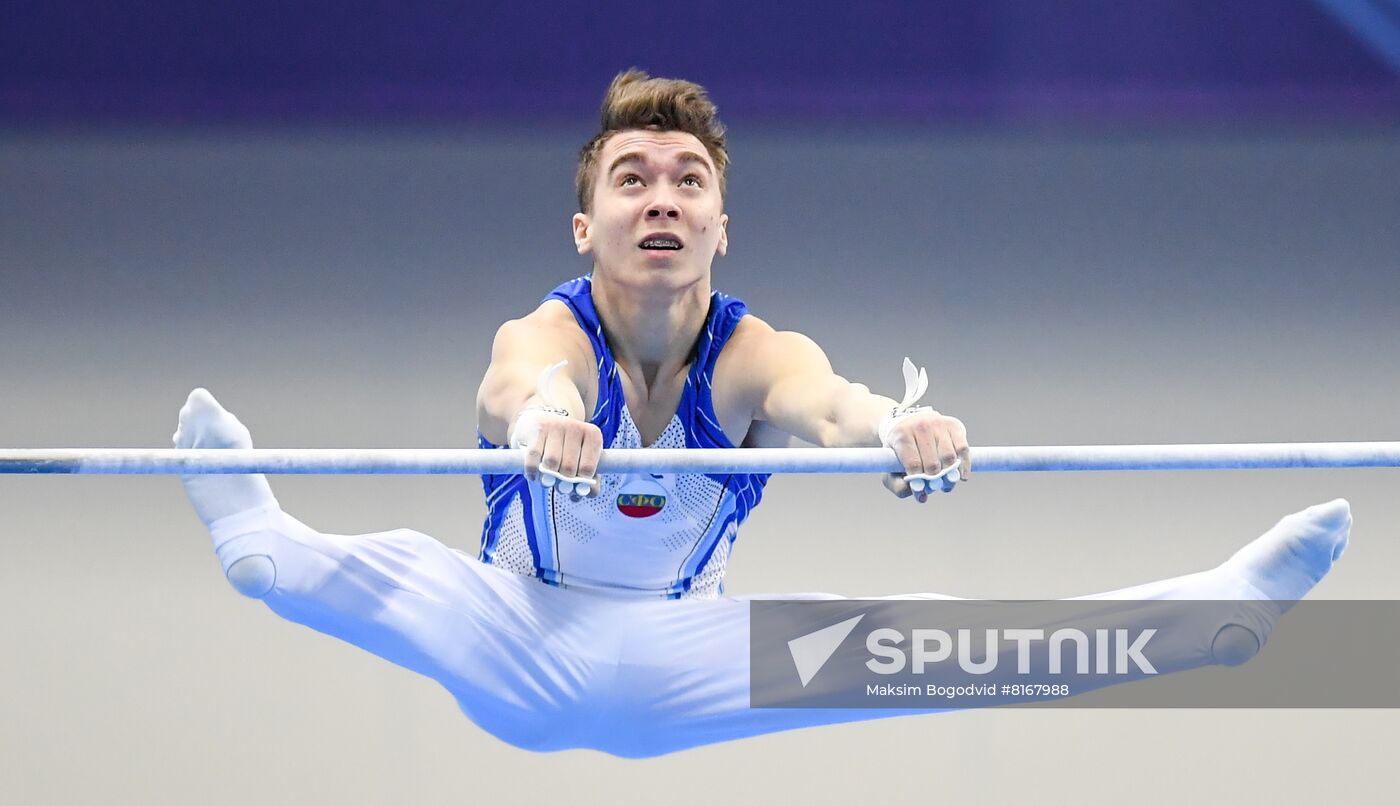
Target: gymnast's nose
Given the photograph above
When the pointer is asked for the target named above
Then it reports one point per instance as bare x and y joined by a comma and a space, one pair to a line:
663, 206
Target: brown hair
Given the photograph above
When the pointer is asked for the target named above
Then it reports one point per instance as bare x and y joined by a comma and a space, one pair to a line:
635, 100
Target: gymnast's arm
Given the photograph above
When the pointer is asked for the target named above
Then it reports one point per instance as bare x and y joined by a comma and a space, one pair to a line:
522, 350
797, 391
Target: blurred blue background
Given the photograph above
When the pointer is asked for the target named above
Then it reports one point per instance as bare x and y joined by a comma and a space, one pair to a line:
1007, 62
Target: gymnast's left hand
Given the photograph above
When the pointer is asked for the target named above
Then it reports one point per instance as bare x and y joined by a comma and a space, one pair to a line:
928, 444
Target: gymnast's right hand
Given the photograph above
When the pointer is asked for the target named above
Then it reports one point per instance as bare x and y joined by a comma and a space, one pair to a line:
559, 450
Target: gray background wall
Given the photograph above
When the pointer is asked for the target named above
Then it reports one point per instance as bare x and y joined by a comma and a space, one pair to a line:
339, 288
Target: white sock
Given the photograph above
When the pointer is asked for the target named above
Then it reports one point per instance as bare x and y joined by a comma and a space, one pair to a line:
1289, 559
206, 424
1282, 565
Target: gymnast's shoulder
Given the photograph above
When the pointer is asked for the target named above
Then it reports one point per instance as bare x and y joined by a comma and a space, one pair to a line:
757, 355
521, 350
550, 330
755, 344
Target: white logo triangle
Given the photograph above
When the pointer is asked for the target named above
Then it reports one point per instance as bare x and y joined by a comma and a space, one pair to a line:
811, 651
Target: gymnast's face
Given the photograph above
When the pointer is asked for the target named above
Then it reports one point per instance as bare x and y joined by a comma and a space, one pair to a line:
657, 211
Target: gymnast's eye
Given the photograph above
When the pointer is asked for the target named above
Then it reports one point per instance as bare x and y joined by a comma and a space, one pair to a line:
630, 178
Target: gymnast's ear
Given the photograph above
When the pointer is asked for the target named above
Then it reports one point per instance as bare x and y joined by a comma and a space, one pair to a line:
723, 247
583, 239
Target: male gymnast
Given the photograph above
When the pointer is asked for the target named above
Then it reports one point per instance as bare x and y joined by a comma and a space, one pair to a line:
595, 615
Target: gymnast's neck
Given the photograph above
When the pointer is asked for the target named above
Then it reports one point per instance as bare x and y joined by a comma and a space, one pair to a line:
651, 324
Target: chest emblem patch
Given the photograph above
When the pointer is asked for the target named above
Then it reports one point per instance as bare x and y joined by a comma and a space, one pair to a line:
641, 498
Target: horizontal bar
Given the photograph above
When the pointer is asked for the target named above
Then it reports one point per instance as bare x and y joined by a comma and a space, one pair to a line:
694, 460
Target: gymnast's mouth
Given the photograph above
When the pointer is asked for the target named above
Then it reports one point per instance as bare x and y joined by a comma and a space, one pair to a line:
662, 241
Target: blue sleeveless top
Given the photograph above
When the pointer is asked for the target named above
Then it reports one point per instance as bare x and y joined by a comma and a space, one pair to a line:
649, 534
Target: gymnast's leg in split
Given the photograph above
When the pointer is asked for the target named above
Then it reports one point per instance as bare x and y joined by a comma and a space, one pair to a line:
707, 700
546, 668
402, 595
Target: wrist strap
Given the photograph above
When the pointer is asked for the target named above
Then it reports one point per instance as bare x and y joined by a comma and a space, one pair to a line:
915, 384
527, 423
896, 414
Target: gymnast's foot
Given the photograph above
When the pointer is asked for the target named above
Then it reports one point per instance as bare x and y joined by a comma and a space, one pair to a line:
1289, 559
1283, 565
206, 424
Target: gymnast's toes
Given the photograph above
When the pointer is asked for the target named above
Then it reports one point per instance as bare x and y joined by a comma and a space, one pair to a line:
206, 424
253, 576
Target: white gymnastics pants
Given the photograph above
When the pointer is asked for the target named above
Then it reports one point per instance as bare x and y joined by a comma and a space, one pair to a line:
547, 668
